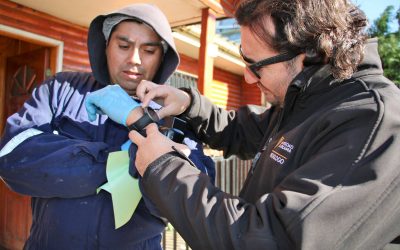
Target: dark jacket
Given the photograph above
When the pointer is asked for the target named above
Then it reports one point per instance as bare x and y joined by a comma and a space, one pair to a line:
327, 176
51, 151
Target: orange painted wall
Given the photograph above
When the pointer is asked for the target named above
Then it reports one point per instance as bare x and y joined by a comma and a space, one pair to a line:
251, 94
74, 36
227, 90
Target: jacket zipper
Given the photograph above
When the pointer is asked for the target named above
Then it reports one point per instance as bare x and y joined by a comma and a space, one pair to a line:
274, 132
280, 117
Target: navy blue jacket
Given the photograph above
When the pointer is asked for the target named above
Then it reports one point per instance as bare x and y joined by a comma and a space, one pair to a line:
50, 151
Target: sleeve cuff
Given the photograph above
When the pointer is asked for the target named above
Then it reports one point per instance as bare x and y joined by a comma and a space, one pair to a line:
163, 162
195, 103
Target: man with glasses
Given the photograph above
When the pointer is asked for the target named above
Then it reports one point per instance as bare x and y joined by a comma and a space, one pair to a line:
325, 173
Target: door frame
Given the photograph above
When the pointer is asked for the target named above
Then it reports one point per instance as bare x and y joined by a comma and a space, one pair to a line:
56, 57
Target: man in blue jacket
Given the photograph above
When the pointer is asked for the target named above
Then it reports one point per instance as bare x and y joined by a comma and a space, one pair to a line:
56, 151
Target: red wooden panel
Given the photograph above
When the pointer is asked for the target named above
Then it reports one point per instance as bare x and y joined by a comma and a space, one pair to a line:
73, 36
251, 94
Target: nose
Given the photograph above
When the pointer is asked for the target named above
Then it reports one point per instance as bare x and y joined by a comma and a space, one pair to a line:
249, 77
134, 56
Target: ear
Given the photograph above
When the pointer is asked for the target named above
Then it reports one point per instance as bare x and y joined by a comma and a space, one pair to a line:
312, 57
301, 57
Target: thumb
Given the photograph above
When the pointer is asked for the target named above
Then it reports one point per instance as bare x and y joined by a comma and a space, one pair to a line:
90, 109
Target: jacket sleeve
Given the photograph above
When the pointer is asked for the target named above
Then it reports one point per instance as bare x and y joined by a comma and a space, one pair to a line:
37, 161
202, 162
344, 187
204, 216
235, 132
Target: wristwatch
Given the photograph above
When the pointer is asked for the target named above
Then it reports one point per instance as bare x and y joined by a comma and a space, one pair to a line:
149, 116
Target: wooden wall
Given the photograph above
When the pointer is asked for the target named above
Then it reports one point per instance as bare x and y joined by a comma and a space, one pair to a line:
228, 90
229, 6
251, 94
74, 37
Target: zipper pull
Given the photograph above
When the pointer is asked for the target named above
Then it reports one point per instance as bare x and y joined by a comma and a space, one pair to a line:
257, 156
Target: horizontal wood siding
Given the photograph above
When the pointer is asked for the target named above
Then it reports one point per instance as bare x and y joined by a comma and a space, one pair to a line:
74, 36
188, 64
229, 6
226, 88
251, 94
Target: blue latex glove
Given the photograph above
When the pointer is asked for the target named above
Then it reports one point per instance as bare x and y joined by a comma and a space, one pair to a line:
112, 101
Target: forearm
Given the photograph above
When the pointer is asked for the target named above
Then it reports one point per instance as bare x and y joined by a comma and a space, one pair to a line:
134, 115
235, 132
206, 217
50, 165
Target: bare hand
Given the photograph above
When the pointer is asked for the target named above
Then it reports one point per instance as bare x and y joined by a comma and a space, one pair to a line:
175, 101
152, 147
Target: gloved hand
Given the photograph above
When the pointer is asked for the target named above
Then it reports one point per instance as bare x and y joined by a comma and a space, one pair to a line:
112, 101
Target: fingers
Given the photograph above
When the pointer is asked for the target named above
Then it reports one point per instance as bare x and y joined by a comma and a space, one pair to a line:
148, 91
135, 137
151, 129
90, 109
175, 101
143, 88
92, 116
152, 94
183, 148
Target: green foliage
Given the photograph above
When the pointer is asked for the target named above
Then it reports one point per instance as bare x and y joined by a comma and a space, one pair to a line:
389, 43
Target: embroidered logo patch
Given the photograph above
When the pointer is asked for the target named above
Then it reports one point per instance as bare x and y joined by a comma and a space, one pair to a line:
281, 150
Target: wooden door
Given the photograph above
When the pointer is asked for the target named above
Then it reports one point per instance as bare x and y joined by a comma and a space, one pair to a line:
23, 73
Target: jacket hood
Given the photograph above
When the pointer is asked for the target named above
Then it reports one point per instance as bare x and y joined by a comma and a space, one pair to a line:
147, 13
318, 78
371, 62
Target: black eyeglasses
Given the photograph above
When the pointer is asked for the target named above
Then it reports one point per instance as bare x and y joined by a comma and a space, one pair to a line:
256, 66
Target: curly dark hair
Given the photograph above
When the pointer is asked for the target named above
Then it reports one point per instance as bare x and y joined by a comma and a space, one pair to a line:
327, 31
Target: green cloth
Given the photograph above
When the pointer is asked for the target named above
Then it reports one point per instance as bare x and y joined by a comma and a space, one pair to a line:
124, 189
